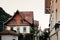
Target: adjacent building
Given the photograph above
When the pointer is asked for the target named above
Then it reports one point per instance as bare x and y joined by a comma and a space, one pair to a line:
8, 35
54, 19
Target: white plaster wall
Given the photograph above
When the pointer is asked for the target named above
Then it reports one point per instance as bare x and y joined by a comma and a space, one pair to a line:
9, 37
27, 29
21, 28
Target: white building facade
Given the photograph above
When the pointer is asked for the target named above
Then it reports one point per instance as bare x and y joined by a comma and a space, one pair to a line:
9, 37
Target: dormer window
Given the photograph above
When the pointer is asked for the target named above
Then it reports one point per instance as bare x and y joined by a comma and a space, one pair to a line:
14, 21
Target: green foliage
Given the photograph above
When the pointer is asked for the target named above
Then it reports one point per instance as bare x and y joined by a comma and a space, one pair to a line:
20, 37
32, 30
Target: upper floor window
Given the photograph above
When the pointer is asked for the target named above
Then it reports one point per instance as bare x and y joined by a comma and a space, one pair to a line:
9, 28
21, 21
12, 28
24, 29
14, 21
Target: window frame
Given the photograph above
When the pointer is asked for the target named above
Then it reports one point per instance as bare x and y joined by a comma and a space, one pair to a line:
14, 21
21, 21
24, 29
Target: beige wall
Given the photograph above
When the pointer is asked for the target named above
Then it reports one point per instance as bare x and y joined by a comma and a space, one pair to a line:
58, 8
54, 37
54, 18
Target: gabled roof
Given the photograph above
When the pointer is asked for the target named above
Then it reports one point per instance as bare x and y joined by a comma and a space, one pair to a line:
26, 15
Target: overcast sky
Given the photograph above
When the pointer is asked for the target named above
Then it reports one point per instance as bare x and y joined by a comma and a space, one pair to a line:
37, 6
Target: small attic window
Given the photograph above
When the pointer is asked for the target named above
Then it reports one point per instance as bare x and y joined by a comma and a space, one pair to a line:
14, 21
21, 21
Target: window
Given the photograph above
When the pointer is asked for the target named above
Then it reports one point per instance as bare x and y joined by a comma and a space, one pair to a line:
24, 29
14, 21
12, 28
21, 21
18, 29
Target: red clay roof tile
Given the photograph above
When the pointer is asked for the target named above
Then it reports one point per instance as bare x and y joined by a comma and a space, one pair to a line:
8, 32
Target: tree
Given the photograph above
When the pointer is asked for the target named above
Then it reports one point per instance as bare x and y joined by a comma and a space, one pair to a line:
46, 34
